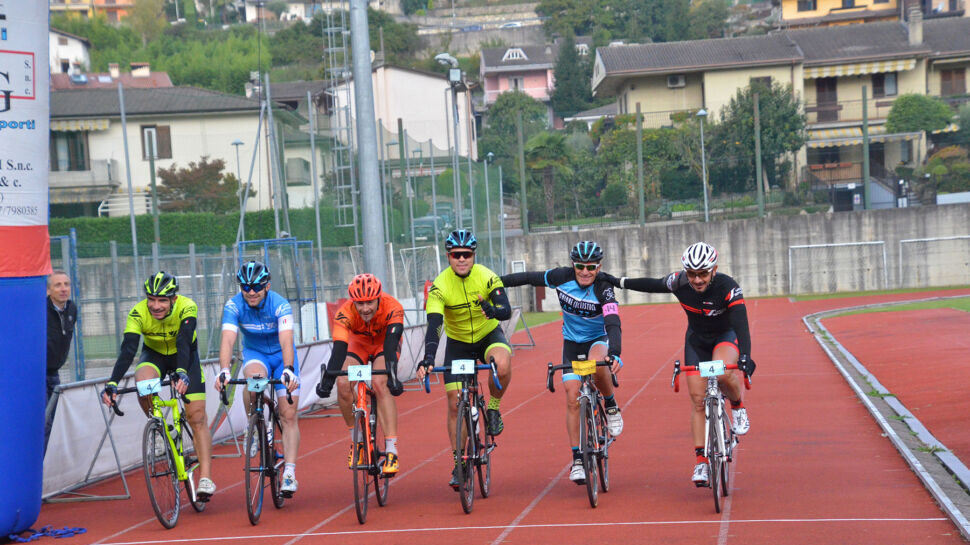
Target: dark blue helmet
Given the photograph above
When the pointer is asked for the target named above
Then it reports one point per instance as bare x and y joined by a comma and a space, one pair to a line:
586, 251
461, 238
253, 273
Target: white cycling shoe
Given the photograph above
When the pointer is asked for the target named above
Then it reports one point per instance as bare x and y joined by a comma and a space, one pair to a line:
741, 422
614, 420
577, 474
700, 476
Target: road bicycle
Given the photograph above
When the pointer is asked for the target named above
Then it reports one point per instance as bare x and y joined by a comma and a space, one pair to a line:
719, 437
474, 444
594, 431
163, 456
367, 452
264, 444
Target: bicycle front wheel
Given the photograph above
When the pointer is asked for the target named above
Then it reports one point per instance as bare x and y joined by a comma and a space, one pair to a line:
192, 484
603, 456
382, 482
160, 475
485, 446
255, 466
276, 460
361, 465
728, 436
587, 442
465, 439
714, 454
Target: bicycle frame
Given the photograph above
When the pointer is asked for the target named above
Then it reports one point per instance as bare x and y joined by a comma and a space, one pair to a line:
158, 406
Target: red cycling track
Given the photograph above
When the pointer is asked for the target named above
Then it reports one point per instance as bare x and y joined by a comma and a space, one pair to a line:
814, 468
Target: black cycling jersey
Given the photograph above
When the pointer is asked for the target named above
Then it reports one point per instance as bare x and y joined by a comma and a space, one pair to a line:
718, 309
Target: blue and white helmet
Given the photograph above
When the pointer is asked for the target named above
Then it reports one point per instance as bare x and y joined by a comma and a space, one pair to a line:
253, 273
461, 238
699, 256
586, 251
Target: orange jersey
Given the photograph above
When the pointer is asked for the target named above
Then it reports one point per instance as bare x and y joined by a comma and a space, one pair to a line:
348, 323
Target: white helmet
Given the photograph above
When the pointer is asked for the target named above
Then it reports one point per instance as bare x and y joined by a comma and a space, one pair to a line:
699, 256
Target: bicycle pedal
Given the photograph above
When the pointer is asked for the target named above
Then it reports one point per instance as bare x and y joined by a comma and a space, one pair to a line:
286, 494
702, 485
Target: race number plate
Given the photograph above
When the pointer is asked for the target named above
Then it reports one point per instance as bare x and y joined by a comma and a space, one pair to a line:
585, 367
711, 368
358, 372
256, 384
462, 367
149, 387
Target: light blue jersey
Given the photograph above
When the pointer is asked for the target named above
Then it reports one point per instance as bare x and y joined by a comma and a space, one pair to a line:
260, 328
583, 309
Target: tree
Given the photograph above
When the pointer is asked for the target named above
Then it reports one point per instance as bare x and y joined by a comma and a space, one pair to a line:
547, 153
401, 40
914, 113
201, 187
708, 19
572, 93
732, 141
277, 7
147, 18
499, 135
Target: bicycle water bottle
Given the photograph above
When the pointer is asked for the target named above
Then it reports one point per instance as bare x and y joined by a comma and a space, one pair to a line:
475, 418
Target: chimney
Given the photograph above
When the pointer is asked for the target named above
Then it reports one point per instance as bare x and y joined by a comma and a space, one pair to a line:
113, 70
915, 26
140, 70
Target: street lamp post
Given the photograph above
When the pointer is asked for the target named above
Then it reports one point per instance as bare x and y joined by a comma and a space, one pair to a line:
501, 215
489, 157
454, 80
388, 185
242, 191
701, 115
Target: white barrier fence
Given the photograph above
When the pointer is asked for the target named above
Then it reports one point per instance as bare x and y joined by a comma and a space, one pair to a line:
88, 442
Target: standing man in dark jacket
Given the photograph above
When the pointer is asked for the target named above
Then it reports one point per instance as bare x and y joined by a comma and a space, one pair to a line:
61, 316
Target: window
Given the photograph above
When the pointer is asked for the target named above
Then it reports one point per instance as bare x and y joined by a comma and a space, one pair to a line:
69, 151
821, 156
764, 82
906, 151
953, 82
61, 40
848, 4
161, 138
582, 49
514, 54
676, 80
880, 1
806, 5
517, 83
884, 85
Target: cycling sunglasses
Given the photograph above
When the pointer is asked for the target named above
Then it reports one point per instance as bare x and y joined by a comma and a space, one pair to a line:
252, 287
587, 266
461, 255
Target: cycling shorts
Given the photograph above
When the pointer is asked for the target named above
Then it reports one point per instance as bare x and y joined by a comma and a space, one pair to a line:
365, 350
272, 365
457, 350
698, 348
164, 364
579, 351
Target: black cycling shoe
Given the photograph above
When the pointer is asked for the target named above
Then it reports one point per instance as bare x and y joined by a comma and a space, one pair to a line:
494, 420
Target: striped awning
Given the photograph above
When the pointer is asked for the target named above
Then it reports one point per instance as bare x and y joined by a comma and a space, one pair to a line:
952, 127
81, 125
838, 70
852, 136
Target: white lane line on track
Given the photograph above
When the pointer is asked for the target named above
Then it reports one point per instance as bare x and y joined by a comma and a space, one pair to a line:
532, 526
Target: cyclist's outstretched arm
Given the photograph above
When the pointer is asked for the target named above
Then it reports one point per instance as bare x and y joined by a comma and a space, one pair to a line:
667, 284
532, 278
497, 306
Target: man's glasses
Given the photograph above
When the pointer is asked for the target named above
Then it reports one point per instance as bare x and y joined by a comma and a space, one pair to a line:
461, 255
252, 287
587, 266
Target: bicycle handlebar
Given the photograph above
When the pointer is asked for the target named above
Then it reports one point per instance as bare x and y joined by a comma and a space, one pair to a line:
678, 368
129, 389
478, 367
273, 382
552, 368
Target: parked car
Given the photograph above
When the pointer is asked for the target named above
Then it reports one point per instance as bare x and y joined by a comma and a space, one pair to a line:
512, 24
471, 28
424, 227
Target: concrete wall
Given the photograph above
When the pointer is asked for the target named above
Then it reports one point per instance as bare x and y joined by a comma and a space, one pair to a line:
755, 251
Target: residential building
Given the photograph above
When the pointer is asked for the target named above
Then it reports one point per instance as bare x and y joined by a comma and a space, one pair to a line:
140, 77
813, 13
81, 8
593, 115
113, 10
827, 68
88, 149
527, 68
68, 53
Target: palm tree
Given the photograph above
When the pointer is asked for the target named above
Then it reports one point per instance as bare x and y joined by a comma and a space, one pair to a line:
547, 152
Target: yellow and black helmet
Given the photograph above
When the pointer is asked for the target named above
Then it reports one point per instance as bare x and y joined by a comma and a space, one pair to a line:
161, 284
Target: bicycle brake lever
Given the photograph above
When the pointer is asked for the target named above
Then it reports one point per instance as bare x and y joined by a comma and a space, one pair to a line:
116, 409
491, 363
549, 380
427, 382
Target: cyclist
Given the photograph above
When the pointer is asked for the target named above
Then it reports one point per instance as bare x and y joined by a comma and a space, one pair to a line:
717, 329
590, 329
469, 300
167, 322
368, 328
266, 321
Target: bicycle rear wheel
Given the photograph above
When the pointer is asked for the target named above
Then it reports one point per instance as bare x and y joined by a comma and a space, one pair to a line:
714, 454
728, 436
465, 439
587, 442
603, 457
256, 451
382, 482
361, 466
276, 460
160, 475
485, 446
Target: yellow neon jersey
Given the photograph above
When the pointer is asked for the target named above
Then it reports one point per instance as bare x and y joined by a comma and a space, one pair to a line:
160, 335
457, 299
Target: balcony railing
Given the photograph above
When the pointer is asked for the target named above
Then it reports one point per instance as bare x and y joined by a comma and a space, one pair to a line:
103, 172
538, 93
848, 110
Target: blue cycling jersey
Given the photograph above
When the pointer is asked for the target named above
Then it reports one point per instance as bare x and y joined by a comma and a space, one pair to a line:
260, 326
582, 307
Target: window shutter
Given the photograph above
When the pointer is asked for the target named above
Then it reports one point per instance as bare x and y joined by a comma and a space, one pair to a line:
164, 133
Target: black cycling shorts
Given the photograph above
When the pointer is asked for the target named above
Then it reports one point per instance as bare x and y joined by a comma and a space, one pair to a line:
457, 350
166, 364
698, 348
